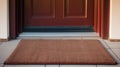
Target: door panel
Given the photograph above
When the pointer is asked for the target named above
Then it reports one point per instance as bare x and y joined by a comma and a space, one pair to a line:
43, 8
59, 12
39, 12
75, 8
78, 12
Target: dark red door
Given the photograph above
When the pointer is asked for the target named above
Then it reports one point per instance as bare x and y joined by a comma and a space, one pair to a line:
58, 12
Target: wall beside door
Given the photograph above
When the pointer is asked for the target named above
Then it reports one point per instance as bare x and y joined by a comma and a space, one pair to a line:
114, 19
4, 23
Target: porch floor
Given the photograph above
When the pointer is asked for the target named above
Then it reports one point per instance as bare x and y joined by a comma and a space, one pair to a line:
6, 48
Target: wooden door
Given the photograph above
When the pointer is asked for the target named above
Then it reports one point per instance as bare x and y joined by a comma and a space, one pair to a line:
101, 17
58, 12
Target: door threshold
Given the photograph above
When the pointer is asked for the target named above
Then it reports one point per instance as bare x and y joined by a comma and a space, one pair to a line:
57, 34
58, 29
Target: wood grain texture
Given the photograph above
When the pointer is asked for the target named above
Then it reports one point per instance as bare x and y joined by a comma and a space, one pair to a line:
12, 17
59, 12
60, 52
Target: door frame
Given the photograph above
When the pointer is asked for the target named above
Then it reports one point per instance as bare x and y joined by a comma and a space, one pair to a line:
101, 17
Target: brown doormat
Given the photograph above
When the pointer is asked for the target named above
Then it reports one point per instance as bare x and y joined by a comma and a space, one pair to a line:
60, 52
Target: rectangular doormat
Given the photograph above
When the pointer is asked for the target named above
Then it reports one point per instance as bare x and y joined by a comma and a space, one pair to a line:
38, 51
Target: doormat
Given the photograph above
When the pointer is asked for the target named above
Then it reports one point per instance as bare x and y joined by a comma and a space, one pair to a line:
38, 51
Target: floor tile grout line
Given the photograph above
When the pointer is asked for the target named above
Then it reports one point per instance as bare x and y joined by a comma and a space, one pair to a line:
114, 55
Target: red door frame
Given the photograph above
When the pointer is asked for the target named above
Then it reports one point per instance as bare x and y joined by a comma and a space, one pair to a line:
101, 18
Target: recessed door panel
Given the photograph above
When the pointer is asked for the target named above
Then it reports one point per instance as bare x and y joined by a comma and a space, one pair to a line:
76, 8
43, 8
39, 12
78, 12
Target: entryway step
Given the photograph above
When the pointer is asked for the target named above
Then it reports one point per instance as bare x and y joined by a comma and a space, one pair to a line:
57, 34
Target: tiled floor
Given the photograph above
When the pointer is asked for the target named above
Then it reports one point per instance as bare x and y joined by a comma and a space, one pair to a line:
1, 65
6, 49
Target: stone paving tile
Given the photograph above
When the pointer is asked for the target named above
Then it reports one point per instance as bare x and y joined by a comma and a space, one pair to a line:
6, 49
24, 65
113, 45
77, 65
118, 65
52, 66
1, 65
